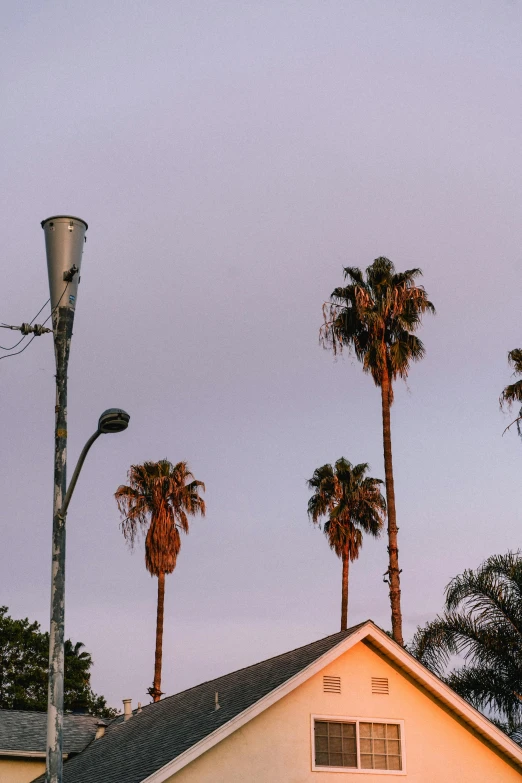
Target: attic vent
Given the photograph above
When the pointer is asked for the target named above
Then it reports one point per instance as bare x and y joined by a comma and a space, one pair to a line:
331, 684
380, 685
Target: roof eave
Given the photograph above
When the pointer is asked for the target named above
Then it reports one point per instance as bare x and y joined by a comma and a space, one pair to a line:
27, 754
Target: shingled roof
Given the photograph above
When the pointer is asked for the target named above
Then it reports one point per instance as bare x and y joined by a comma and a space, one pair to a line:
131, 751
26, 732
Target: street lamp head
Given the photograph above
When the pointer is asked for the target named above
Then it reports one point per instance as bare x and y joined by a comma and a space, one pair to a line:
113, 420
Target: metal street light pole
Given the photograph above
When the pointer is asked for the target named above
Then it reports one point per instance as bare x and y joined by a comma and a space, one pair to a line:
111, 420
64, 240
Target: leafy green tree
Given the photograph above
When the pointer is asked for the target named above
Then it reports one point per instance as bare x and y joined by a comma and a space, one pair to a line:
513, 392
482, 623
24, 666
352, 504
158, 501
377, 316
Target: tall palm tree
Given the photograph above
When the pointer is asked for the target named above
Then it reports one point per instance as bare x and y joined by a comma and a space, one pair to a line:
513, 392
157, 502
352, 503
377, 316
482, 622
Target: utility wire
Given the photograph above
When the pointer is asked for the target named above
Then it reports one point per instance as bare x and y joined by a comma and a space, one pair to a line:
15, 345
30, 324
7, 355
56, 305
34, 335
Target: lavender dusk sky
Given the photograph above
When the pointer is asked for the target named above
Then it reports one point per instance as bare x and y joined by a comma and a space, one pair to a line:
230, 158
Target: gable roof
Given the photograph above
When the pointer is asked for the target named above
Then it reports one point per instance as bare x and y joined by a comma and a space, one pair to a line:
24, 733
166, 736
132, 751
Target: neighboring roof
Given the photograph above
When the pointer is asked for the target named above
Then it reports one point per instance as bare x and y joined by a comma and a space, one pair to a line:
132, 751
25, 733
166, 736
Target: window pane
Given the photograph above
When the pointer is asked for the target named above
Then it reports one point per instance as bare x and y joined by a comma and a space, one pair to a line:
394, 762
348, 729
379, 762
379, 745
349, 759
366, 762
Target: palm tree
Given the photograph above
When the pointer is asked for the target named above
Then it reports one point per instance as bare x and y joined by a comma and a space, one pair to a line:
376, 316
513, 392
77, 688
482, 622
158, 500
352, 503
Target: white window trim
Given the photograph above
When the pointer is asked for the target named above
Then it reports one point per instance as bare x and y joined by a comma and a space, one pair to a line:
357, 720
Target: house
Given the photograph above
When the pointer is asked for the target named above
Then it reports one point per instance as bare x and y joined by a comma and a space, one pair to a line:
23, 737
352, 707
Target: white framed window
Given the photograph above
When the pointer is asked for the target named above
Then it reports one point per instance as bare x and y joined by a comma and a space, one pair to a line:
365, 745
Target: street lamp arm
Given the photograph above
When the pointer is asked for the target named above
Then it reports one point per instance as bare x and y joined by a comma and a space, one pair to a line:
112, 420
79, 465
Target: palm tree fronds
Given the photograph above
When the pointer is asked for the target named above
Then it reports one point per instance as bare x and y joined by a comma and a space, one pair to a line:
376, 317
485, 689
515, 359
351, 501
157, 502
482, 624
513, 392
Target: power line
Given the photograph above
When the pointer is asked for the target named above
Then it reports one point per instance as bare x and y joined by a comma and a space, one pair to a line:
16, 353
57, 303
7, 355
30, 324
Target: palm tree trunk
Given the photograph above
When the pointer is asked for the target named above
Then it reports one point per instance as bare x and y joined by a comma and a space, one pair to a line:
344, 598
156, 685
393, 550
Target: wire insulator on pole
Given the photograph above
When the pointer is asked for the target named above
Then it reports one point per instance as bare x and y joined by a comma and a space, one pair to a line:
36, 329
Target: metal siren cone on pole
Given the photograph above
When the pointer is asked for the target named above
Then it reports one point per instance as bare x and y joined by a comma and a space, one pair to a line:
64, 241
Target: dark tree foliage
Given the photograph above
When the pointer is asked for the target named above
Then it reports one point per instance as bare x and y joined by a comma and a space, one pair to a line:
482, 623
24, 666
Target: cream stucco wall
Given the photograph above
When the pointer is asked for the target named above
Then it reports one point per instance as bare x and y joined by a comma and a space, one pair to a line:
275, 747
20, 770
